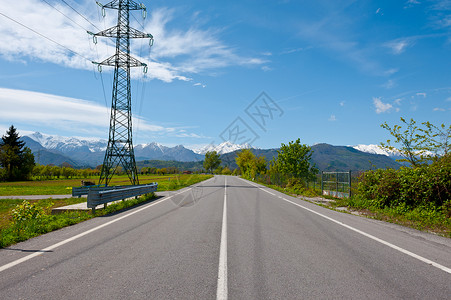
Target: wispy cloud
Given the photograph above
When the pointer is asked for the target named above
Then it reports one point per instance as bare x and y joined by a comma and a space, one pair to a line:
342, 103
421, 95
332, 118
411, 3
200, 84
38, 111
336, 30
380, 106
176, 55
399, 46
389, 84
439, 109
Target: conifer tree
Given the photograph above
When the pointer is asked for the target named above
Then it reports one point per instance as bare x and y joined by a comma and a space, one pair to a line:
16, 160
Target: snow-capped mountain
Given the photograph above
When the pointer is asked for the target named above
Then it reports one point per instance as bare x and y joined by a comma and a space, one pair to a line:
376, 149
69, 144
225, 147
91, 151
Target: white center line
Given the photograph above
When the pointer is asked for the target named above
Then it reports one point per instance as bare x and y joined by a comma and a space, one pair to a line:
221, 292
402, 250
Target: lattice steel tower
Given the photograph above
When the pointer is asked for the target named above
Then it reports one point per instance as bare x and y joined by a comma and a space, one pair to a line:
120, 144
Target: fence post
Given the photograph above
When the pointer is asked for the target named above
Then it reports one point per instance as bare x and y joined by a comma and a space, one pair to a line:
322, 184
336, 183
350, 183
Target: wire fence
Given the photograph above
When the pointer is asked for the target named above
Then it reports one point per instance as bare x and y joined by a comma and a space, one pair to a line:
335, 184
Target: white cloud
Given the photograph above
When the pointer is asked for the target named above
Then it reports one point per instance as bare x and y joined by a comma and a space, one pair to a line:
332, 118
421, 94
176, 54
389, 84
399, 46
380, 106
448, 99
41, 111
266, 68
289, 51
439, 109
397, 101
342, 103
200, 84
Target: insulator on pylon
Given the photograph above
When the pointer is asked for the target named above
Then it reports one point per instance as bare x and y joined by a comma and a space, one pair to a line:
145, 69
151, 42
103, 8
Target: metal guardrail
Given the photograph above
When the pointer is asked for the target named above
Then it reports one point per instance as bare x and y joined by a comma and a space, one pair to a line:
103, 197
84, 190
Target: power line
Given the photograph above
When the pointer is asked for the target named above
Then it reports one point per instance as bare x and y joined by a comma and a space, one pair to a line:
47, 38
64, 15
80, 15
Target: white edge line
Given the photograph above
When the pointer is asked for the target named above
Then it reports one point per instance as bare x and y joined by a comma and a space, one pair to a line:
402, 250
221, 292
28, 257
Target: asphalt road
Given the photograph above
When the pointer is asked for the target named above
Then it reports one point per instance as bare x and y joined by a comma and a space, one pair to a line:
228, 238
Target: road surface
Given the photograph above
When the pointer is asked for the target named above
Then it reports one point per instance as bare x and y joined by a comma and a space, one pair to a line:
228, 238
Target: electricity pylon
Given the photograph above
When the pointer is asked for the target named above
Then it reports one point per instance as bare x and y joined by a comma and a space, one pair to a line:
120, 145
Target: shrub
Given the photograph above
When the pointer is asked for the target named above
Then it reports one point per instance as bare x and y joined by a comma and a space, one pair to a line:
413, 187
27, 211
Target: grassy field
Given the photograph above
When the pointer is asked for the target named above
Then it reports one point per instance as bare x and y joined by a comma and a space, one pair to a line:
11, 232
64, 186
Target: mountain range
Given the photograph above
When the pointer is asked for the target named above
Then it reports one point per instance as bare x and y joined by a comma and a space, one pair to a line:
82, 152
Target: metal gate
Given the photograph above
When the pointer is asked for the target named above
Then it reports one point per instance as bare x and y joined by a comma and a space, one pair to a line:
336, 184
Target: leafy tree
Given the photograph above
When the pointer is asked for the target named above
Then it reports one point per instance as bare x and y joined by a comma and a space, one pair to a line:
16, 160
419, 145
294, 160
226, 171
212, 161
245, 161
438, 139
249, 164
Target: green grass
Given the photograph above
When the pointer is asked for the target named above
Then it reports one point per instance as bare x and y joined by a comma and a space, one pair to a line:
425, 218
64, 186
17, 231
13, 232
422, 218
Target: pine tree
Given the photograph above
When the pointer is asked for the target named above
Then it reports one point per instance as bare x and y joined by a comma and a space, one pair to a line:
16, 160
12, 139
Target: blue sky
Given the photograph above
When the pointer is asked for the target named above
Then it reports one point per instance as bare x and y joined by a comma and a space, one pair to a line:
263, 72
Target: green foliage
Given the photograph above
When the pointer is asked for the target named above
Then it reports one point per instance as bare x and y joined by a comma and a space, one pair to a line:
212, 161
249, 164
438, 138
413, 187
27, 211
33, 219
226, 171
16, 160
419, 145
294, 159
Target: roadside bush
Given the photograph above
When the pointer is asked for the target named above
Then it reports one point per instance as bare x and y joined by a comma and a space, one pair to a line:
27, 211
412, 187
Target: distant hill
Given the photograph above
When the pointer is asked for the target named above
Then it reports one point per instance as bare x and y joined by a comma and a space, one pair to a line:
181, 165
328, 158
343, 158
80, 153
